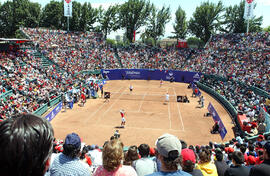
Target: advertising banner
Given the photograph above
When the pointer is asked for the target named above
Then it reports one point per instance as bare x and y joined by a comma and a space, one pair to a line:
68, 8
216, 118
249, 6
147, 74
54, 112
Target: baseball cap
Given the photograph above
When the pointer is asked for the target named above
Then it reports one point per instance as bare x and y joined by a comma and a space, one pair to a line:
188, 154
73, 139
168, 143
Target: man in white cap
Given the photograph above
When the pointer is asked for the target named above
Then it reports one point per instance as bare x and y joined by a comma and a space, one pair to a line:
168, 152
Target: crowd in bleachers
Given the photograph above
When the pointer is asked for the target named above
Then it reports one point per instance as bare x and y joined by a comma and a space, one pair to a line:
31, 85
74, 51
39, 153
145, 57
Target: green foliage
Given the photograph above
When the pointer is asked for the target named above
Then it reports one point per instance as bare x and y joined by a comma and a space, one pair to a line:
108, 20
235, 23
267, 29
157, 21
194, 42
133, 15
53, 15
110, 41
180, 25
206, 20
18, 13
6, 19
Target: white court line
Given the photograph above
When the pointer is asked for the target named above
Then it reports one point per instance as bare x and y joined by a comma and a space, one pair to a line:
139, 128
147, 112
99, 108
169, 111
116, 100
179, 112
142, 102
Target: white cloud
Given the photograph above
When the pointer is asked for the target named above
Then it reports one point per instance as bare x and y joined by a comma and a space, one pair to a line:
263, 2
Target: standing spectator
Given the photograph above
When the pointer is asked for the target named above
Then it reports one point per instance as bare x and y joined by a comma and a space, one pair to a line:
112, 156
220, 163
26, 145
169, 152
205, 164
264, 168
237, 169
145, 165
68, 162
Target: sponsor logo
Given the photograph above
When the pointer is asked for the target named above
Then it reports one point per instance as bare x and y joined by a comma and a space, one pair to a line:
106, 71
133, 73
170, 73
197, 76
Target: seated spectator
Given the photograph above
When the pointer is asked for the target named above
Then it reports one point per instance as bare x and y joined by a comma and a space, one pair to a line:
144, 165
26, 145
220, 163
205, 164
264, 168
237, 169
68, 162
112, 156
131, 155
189, 161
169, 152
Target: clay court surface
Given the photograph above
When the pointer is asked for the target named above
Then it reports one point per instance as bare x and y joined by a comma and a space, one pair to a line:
147, 116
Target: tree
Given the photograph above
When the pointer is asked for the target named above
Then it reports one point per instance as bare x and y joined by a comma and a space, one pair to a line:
53, 15
108, 20
18, 13
6, 19
132, 15
76, 16
194, 42
235, 23
157, 21
206, 20
267, 29
180, 26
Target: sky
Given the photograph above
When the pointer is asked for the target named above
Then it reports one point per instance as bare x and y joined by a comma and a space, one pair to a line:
189, 6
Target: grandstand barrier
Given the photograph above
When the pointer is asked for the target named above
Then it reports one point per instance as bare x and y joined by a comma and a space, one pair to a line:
40, 111
228, 106
55, 100
6, 94
151, 74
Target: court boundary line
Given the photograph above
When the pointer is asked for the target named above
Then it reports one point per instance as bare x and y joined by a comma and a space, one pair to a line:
99, 109
110, 107
139, 128
169, 112
179, 112
142, 101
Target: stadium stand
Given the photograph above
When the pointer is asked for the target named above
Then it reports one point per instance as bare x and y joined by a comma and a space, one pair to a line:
236, 72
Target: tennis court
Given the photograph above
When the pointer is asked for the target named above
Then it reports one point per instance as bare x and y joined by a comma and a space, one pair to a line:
146, 115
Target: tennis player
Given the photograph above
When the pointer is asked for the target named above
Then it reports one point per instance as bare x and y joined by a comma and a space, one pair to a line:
123, 122
167, 98
130, 88
161, 82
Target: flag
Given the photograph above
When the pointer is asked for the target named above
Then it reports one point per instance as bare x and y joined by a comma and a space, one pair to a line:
68, 8
249, 6
134, 35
